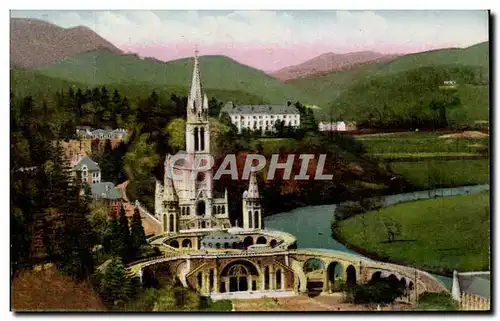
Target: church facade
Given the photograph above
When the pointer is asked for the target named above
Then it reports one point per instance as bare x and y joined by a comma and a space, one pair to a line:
186, 201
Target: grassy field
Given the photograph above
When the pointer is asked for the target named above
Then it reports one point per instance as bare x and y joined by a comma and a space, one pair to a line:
419, 142
441, 233
427, 161
428, 174
218, 72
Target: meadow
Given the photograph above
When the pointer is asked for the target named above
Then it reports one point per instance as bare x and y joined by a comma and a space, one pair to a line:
440, 234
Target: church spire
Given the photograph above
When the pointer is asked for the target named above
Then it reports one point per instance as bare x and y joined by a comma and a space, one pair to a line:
195, 96
253, 188
169, 190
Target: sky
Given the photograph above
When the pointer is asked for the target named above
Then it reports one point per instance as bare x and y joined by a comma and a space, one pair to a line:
271, 40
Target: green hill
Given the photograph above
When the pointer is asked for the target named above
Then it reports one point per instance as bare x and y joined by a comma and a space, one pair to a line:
328, 87
218, 73
31, 82
405, 97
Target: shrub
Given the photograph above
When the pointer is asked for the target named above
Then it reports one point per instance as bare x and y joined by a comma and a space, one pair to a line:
382, 290
436, 301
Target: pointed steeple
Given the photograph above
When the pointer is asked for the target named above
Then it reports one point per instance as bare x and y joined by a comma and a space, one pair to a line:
195, 94
169, 191
253, 188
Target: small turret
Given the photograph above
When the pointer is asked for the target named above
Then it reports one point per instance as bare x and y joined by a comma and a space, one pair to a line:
252, 212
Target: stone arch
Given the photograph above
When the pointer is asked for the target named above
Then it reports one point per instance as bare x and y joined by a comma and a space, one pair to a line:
250, 219
186, 243
314, 270
393, 277
199, 278
196, 142
234, 245
174, 244
248, 241
350, 273
171, 223
226, 245
273, 243
376, 275
217, 245
188, 211
267, 277
256, 219
200, 208
218, 209
261, 240
223, 209
334, 272
279, 280
211, 281
183, 211
202, 138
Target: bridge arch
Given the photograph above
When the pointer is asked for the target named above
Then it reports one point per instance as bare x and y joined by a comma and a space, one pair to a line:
350, 274
261, 240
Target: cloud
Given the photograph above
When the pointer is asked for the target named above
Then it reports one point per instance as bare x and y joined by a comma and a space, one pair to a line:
341, 29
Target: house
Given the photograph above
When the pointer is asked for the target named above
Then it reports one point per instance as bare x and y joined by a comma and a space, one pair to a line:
107, 193
261, 117
86, 168
340, 126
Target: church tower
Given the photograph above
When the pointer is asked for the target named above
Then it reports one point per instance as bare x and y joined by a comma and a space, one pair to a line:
198, 143
252, 212
170, 216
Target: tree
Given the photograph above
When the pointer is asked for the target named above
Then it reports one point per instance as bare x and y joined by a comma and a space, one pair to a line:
99, 217
113, 241
392, 228
124, 232
115, 286
137, 231
176, 131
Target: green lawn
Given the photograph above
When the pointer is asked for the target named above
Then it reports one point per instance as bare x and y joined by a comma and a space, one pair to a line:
427, 174
416, 142
442, 233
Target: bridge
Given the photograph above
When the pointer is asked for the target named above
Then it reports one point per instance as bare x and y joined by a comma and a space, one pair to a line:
276, 271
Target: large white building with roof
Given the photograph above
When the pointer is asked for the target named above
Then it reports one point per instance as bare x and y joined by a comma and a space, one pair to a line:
262, 117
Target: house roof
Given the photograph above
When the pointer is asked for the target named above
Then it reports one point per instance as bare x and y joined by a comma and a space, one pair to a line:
104, 190
219, 237
475, 283
230, 108
87, 161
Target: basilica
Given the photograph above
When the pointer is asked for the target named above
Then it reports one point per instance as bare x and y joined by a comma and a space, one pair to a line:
190, 203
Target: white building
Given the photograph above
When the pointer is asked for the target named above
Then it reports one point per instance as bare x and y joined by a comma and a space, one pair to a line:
190, 203
262, 117
340, 126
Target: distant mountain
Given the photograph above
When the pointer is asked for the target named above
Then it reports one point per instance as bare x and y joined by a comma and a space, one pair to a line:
331, 62
37, 43
105, 67
326, 88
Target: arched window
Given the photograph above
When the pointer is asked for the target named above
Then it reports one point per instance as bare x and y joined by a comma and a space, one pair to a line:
186, 243
278, 280
202, 138
223, 208
226, 245
217, 245
199, 280
250, 220
171, 222
165, 225
266, 278
256, 218
214, 209
211, 280
200, 208
196, 147
183, 211
188, 211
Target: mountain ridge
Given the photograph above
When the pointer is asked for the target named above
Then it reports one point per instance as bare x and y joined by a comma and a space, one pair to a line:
36, 43
330, 62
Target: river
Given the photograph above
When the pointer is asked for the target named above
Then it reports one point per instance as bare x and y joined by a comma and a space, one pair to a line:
311, 225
